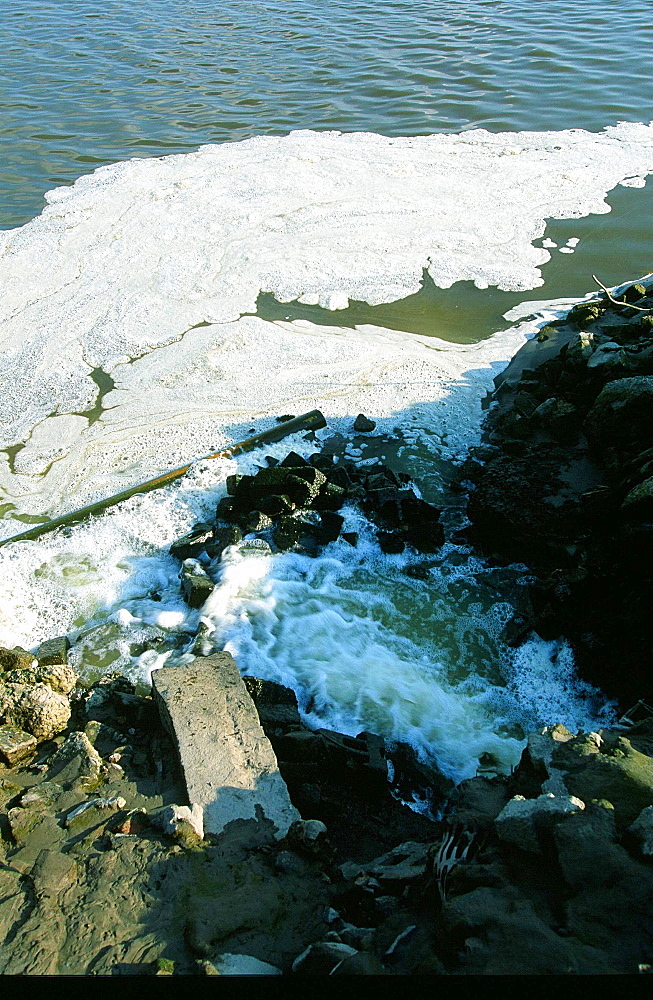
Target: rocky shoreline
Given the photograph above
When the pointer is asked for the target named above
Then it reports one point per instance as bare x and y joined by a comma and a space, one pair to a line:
108, 863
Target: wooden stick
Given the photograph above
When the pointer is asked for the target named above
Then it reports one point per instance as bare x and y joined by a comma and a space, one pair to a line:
616, 302
307, 421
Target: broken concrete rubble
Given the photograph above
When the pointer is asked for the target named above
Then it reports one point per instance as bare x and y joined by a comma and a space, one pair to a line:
228, 763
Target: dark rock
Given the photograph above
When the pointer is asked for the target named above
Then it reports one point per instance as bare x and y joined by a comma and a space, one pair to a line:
620, 424
53, 651
254, 520
351, 537
223, 537
190, 546
390, 544
294, 461
363, 425
196, 585
287, 534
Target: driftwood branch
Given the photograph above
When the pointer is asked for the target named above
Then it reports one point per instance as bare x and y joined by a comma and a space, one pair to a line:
616, 302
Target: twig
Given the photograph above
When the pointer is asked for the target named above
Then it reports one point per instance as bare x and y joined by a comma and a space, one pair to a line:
616, 302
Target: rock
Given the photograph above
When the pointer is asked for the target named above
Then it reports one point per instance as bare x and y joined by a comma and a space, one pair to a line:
620, 423
94, 812
228, 763
189, 546
15, 745
53, 652
522, 821
75, 758
403, 864
132, 823
16, 659
59, 677
308, 836
196, 584
223, 537
173, 820
642, 831
321, 958
163, 967
35, 708
53, 872
499, 932
621, 774
244, 965
363, 425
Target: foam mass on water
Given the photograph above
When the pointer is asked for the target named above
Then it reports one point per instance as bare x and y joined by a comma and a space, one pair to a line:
148, 272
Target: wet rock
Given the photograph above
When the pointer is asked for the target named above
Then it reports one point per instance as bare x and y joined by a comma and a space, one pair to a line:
35, 708
16, 659
76, 758
92, 813
196, 584
15, 745
287, 534
190, 546
223, 537
59, 677
363, 425
53, 651
642, 831
523, 821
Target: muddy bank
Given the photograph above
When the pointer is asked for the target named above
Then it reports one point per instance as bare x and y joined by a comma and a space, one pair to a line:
103, 872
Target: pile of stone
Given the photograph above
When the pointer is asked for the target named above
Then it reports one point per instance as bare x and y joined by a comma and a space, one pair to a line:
293, 505
564, 482
34, 703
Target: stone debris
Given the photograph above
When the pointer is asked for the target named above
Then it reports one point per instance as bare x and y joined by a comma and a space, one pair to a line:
196, 585
173, 819
76, 758
53, 651
37, 709
229, 766
15, 745
93, 812
642, 831
523, 821
244, 965
321, 958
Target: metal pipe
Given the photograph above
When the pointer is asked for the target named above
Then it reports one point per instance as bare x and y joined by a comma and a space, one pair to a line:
307, 421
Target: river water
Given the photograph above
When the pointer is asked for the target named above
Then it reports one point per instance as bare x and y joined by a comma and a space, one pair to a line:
361, 192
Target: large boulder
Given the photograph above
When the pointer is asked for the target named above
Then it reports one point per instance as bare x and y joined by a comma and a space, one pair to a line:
35, 708
620, 424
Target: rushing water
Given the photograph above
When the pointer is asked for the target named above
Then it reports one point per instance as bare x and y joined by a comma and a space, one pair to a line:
159, 308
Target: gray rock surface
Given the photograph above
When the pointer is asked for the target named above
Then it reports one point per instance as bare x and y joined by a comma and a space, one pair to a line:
228, 763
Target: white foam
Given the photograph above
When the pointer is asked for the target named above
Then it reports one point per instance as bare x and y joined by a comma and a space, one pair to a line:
125, 262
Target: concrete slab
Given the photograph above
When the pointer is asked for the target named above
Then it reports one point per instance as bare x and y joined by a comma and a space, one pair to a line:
228, 763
